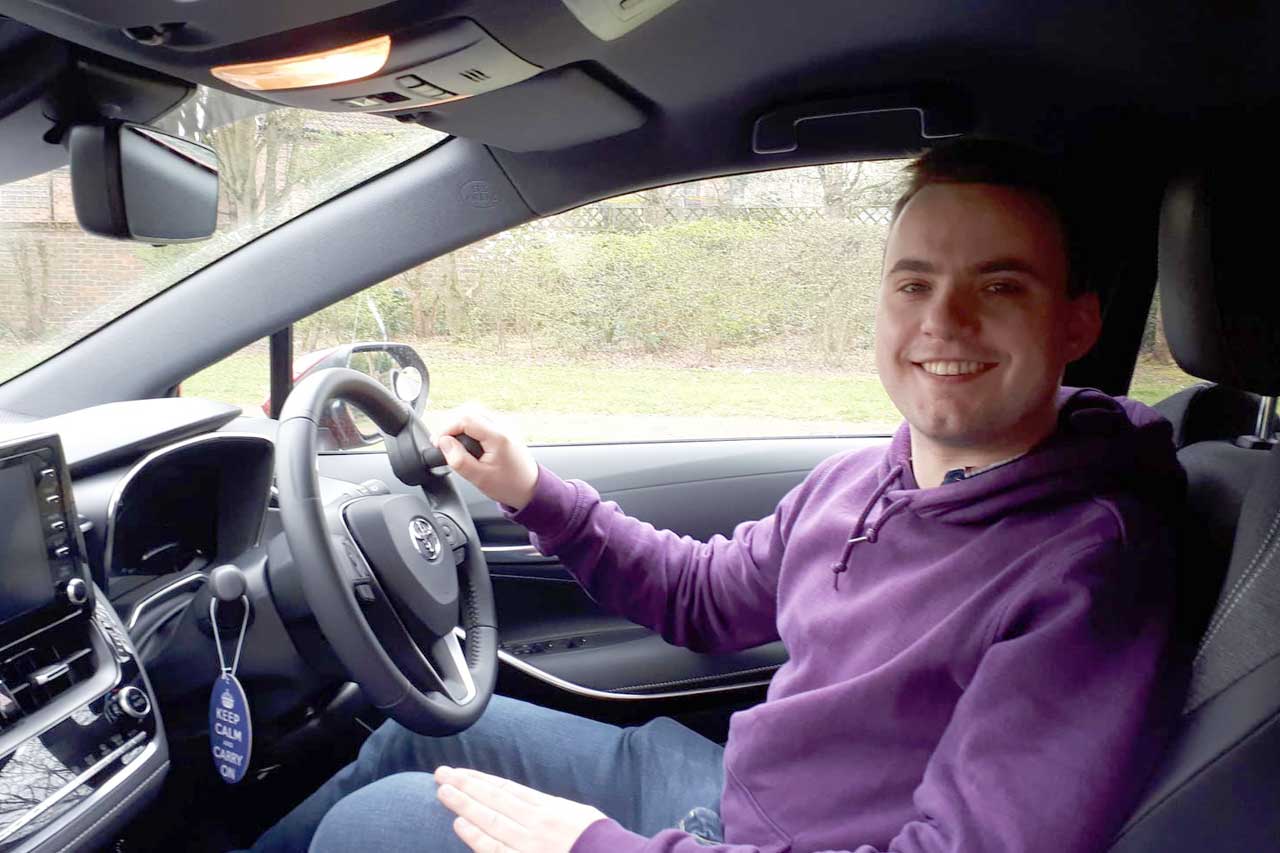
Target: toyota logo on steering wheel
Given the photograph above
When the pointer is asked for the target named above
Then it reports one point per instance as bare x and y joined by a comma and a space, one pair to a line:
425, 540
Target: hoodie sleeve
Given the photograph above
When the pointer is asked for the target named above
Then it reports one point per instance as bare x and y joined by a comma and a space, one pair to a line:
1053, 736
714, 596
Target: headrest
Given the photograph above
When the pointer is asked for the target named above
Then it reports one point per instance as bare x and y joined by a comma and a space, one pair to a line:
1208, 413
1220, 275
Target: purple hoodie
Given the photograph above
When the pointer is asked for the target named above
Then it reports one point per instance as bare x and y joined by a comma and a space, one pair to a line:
984, 675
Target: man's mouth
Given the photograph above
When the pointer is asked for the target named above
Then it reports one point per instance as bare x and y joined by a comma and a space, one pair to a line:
954, 368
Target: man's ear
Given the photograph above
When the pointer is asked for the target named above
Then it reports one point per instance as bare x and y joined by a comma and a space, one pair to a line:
1084, 324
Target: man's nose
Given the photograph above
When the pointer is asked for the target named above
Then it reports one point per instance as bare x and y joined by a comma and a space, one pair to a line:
949, 315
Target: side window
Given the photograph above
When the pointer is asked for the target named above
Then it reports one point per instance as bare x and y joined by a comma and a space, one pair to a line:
736, 307
1156, 375
242, 379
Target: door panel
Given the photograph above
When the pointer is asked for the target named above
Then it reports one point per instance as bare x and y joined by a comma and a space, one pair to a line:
555, 634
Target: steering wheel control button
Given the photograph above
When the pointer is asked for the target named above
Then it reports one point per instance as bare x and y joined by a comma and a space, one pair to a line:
75, 591
374, 487
354, 563
132, 702
450, 531
425, 539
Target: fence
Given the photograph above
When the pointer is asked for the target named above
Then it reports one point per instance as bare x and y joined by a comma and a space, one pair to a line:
606, 218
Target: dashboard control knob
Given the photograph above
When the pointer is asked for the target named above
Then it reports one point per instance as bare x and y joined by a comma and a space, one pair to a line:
75, 591
132, 702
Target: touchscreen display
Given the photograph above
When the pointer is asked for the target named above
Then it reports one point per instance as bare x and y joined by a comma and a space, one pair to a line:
25, 582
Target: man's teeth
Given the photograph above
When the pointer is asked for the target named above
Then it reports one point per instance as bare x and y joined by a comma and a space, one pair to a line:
953, 368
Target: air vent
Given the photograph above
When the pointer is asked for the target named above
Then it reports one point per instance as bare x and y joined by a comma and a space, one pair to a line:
36, 672
475, 75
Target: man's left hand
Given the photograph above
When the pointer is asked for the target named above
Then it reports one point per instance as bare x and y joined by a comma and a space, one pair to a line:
496, 815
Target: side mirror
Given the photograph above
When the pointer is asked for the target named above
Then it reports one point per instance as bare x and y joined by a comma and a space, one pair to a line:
133, 182
397, 367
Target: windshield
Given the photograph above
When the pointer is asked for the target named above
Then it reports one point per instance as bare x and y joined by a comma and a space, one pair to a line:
58, 283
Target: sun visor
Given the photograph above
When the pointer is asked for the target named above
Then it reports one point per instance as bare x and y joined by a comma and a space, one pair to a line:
556, 109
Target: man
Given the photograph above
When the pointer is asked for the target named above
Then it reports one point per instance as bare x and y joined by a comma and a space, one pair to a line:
975, 614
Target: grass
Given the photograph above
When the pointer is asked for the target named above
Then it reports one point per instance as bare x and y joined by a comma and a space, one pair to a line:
1153, 381
587, 389
592, 401
584, 401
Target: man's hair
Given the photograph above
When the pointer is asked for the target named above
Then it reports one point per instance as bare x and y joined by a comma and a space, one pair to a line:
1004, 164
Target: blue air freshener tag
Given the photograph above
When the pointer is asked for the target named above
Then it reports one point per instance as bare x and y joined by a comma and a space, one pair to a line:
230, 730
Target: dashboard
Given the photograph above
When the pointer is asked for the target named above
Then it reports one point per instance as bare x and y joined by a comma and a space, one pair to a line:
181, 507
110, 519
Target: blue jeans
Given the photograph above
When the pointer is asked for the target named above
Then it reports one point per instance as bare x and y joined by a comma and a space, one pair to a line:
648, 778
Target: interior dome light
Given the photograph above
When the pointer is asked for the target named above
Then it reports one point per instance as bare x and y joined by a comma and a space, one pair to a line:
338, 65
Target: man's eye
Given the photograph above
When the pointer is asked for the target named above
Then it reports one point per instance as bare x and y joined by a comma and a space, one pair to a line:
1004, 287
913, 287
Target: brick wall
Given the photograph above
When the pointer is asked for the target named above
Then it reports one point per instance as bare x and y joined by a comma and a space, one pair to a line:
51, 271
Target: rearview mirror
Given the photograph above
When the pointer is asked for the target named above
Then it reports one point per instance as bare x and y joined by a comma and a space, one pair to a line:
133, 182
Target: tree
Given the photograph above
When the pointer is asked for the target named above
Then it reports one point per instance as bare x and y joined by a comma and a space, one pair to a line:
847, 187
255, 143
31, 263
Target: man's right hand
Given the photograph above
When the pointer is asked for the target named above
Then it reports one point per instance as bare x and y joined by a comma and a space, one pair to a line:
505, 472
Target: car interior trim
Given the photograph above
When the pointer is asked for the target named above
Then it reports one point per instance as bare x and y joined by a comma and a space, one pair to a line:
121, 776
117, 493
159, 595
772, 668
61, 794
106, 789
514, 554
39, 630
96, 686
590, 693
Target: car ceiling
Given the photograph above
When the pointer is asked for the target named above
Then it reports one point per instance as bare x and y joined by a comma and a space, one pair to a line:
703, 70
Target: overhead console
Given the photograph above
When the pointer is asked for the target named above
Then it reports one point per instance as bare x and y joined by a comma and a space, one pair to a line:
453, 60
432, 76
80, 739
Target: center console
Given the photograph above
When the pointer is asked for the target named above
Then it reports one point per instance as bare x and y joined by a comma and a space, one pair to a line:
80, 737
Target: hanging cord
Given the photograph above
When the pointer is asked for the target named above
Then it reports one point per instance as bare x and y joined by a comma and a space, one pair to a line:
217, 638
856, 536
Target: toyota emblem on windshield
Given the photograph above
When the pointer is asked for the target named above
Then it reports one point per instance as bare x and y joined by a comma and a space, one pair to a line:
424, 538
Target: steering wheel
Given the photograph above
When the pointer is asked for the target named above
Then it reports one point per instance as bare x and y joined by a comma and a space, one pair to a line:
391, 577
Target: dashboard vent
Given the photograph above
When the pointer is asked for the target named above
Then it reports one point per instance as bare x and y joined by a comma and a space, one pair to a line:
38, 670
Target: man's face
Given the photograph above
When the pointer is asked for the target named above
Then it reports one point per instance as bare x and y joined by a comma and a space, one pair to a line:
974, 325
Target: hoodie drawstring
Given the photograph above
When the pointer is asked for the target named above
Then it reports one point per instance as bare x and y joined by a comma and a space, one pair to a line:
857, 535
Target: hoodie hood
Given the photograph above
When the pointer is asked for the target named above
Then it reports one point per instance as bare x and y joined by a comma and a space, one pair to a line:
1102, 445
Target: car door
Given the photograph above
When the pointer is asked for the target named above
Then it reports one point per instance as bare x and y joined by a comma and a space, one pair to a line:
558, 647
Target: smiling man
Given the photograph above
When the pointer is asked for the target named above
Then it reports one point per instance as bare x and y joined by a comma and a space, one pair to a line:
975, 614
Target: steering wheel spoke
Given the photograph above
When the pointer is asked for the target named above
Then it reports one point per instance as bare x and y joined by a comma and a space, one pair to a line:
450, 664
